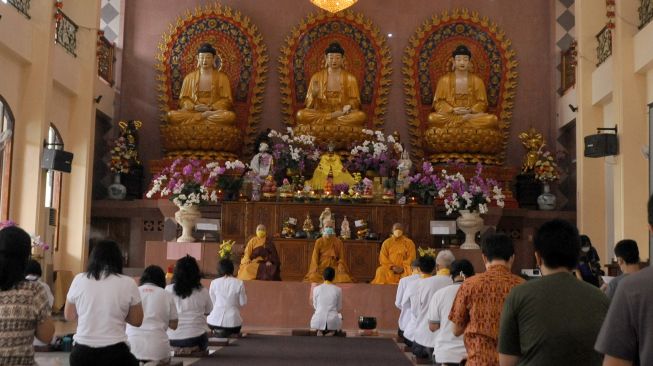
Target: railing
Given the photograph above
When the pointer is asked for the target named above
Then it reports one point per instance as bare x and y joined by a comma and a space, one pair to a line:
66, 34
22, 6
568, 68
645, 11
604, 49
106, 59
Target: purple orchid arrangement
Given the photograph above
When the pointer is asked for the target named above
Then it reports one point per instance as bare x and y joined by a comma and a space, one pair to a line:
293, 152
188, 182
457, 192
379, 153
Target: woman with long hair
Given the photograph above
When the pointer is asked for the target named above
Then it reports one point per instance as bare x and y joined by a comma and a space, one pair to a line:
102, 301
149, 342
24, 308
193, 305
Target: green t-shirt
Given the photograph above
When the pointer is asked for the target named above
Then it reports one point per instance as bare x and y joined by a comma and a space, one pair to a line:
553, 320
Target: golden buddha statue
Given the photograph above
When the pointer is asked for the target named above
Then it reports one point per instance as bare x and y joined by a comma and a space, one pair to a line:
204, 123
333, 103
330, 167
459, 127
205, 94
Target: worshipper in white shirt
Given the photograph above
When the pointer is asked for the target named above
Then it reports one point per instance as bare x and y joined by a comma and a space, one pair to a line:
102, 300
425, 287
327, 302
405, 315
149, 342
228, 296
33, 273
193, 305
449, 350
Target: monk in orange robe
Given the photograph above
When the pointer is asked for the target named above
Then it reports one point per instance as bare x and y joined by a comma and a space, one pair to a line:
260, 260
329, 251
397, 253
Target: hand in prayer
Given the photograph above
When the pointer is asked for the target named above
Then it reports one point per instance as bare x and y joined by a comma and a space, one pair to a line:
268, 263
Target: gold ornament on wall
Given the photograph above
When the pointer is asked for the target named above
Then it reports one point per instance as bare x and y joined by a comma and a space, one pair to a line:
333, 6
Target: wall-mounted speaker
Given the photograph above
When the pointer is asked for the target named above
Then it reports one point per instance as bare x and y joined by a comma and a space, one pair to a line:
600, 145
57, 160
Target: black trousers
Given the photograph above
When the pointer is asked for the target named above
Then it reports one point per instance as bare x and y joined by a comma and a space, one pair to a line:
201, 341
115, 354
421, 351
224, 332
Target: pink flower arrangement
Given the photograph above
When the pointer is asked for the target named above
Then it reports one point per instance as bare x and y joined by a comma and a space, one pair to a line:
188, 182
379, 153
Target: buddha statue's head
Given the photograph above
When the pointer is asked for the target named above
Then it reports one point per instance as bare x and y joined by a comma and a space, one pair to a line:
334, 55
461, 57
205, 56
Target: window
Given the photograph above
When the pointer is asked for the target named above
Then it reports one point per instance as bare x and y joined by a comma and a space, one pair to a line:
6, 139
53, 188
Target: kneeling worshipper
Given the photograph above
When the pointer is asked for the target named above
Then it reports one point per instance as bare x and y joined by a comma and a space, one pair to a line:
149, 342
228, 296
193, 304
405, 315
329, 251
327, 302
397, 253
260, 260
425, 287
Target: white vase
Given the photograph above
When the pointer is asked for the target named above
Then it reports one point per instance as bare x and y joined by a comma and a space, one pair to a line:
117, 191
470, 223
187, 217
547, 200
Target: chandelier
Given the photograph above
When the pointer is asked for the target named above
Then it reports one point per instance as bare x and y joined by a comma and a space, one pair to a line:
333, 6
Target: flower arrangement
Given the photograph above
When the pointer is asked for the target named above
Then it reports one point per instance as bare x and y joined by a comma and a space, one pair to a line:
428, 252
423, 184
379, 154
546, 168
293, 152
189, 182
473, 195
225, 249
123, 157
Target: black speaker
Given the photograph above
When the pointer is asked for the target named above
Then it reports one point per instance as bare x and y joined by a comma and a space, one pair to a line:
600, 145
57, 160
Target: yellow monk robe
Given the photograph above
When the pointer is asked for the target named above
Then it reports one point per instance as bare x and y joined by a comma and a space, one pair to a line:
446, 99
328, 252
218, 99
319, 108
330, 162
253, 264
394, 252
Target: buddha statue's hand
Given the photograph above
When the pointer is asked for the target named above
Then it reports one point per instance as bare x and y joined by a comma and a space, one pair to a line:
346, 109
337, 114
462, 110
201, 108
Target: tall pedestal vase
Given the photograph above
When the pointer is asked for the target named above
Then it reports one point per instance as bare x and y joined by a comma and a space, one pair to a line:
187, 217
547, 200
470, 223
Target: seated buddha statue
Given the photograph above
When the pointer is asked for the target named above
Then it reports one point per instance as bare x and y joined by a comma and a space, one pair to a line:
460, 97
205, 96
333, 94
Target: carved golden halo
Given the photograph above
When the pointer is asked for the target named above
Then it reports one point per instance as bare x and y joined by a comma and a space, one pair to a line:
409, 69
258, 47
311, 19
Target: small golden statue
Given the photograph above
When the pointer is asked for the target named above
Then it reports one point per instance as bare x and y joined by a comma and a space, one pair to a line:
333, 103
459, 127
308, 225
533, 141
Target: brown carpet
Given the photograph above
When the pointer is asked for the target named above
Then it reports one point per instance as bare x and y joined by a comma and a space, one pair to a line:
315, 351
